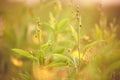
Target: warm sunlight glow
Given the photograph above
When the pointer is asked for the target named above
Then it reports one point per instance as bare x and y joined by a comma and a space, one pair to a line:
104, 2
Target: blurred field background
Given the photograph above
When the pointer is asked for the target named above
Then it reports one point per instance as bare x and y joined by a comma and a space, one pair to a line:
17, 24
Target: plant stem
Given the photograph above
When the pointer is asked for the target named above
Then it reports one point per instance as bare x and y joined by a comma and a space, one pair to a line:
79, 27
78, 17
78, 31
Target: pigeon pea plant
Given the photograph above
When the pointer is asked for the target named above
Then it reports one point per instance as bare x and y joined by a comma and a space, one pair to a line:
54, 52
41, 56
47, 54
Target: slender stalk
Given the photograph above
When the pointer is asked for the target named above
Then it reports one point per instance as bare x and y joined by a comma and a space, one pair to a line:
39, 32
78, 16
39, 51
79, 27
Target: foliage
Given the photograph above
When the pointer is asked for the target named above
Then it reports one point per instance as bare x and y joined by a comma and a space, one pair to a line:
54, 48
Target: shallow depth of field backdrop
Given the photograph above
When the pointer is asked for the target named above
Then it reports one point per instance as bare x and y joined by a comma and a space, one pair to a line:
59, 40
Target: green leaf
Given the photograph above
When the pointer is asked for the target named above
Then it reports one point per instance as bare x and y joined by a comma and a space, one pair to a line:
60, 50
61, 24
24, 53
44, 46
74, 33
48, 43
63, 57
55, 64
48, 26
51, 37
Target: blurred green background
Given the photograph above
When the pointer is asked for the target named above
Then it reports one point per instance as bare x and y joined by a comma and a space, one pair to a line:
17, 19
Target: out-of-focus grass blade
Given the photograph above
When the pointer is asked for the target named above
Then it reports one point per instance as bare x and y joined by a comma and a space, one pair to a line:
89, 46
10, 37
98, 32
25, 77
74, 33
23, 36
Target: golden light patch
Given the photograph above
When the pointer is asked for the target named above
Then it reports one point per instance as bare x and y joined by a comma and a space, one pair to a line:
75, 54
42, 73
86, 38
16, 62
35, 40
59, 38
